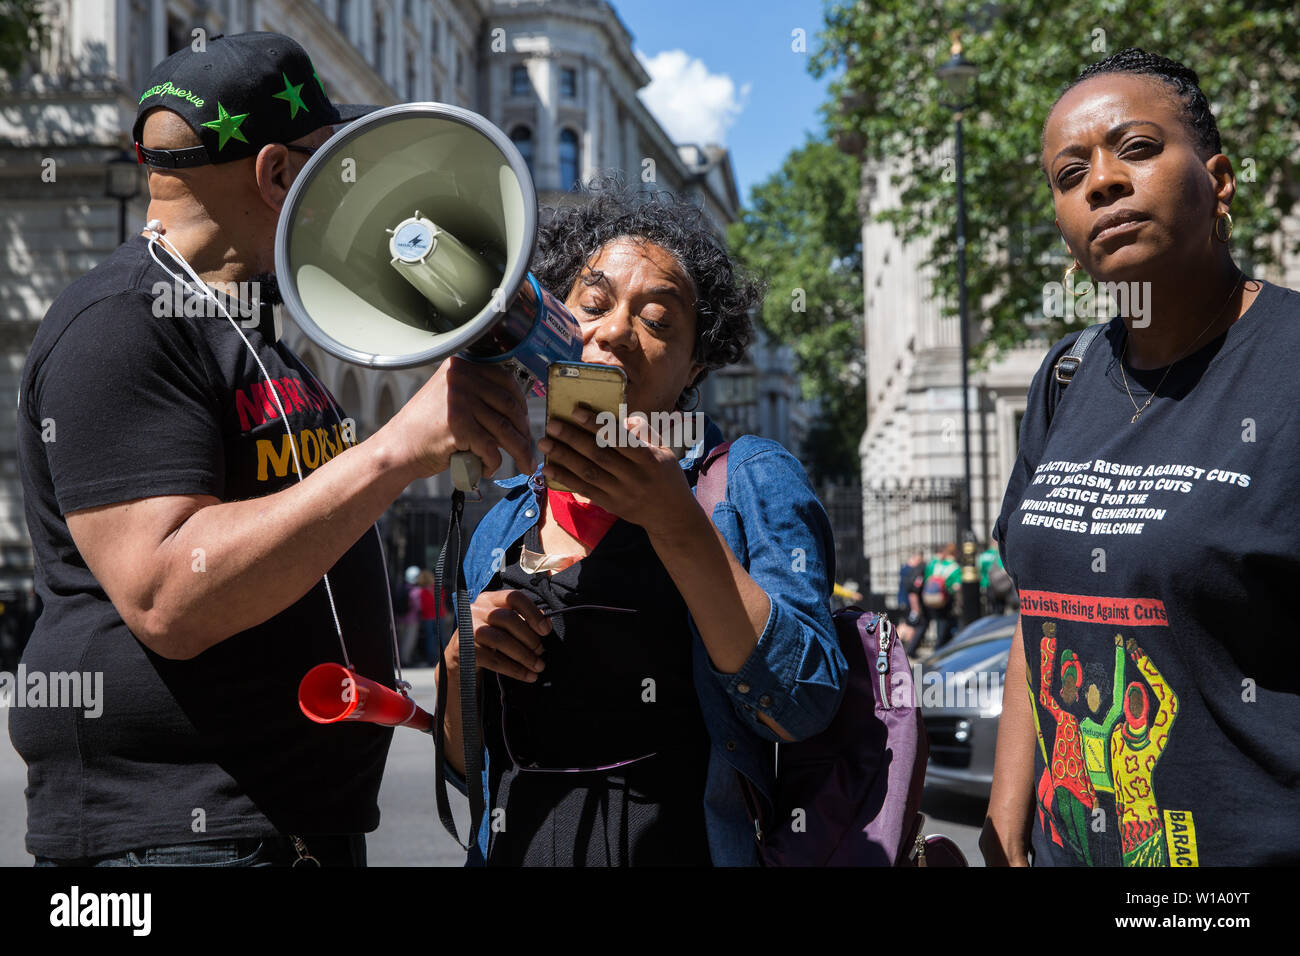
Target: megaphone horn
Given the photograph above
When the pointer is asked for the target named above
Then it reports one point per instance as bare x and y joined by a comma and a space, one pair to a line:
330, 693
406, 238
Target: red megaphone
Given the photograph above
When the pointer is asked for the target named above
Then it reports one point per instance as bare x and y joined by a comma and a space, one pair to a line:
330, 693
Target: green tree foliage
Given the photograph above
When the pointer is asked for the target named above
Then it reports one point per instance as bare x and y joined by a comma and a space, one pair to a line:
22, 31
803, 234
887, 98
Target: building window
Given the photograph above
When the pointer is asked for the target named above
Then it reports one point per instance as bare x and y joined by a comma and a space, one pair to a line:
411, 76
141, 55
178, 34
434, 37
522, 137
568, 159
343, 16
460, 68
381, 41
520, 84
569, 83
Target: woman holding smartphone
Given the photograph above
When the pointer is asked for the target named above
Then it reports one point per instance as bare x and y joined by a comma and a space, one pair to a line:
1157, 623
639, 659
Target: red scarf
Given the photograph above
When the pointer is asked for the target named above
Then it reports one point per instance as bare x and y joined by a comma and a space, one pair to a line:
585, 521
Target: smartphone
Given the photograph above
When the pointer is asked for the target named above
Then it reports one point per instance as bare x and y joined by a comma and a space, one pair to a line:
601, 388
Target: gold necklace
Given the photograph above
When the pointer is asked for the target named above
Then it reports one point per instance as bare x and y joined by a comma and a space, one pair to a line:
1137, 412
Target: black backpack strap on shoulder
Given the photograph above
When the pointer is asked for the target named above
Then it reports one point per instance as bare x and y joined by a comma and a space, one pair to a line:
1069, 363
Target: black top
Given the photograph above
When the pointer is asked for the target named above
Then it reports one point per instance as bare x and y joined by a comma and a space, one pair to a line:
602, 761
121, 401
1157, 564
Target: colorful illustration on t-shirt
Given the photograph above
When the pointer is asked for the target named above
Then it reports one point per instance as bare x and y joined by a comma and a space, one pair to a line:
1114, 752
1096, 736
1135, 746
1075, 797
1044, 790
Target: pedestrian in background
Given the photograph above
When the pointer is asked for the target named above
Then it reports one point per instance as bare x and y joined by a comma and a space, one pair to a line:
430, 611
913, 621
941, 591
406, 611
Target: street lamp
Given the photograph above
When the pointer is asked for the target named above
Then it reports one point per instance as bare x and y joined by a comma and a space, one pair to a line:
958, 77
122, 182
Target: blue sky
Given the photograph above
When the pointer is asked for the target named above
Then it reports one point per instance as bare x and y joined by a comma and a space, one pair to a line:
724, 71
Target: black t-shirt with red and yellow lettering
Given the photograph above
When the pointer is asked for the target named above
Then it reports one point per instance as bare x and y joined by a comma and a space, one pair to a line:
1156, 563
126, 396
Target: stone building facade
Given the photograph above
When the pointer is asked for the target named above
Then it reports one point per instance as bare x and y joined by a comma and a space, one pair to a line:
559, 76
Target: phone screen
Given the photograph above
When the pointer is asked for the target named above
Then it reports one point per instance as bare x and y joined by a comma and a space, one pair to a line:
601, 388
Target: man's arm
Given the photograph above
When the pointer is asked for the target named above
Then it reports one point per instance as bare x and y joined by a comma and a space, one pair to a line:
261, 555
1004, 840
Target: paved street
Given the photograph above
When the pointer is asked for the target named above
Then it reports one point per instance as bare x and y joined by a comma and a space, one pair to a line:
410, 834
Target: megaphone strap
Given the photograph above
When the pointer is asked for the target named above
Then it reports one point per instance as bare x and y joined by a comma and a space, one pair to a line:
471, 736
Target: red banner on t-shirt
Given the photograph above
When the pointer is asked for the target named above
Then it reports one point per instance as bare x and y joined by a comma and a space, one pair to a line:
1139, 612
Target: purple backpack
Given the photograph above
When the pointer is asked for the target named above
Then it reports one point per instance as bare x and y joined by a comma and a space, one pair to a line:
850, 795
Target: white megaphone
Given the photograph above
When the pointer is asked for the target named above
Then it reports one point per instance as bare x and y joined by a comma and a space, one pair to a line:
406, 238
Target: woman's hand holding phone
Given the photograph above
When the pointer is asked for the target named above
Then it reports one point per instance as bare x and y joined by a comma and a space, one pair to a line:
638, 480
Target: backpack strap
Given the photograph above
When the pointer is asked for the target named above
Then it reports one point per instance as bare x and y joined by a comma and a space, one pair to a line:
1069, 363
711, 486
1067, 366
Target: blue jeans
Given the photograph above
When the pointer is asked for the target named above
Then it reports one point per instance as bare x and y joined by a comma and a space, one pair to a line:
346, 850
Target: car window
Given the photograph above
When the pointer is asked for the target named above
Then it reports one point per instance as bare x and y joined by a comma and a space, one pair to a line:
972, 656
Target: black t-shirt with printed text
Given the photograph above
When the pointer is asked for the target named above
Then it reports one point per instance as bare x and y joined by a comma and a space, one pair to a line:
1156, 563
119, 402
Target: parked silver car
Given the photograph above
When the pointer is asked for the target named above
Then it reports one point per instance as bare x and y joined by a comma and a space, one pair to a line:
960, 690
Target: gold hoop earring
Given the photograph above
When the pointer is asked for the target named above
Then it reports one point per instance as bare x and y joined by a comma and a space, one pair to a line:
1219, 219
1069, 279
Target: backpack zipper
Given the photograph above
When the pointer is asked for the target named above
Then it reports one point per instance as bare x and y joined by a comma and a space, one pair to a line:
884, 632
751, 804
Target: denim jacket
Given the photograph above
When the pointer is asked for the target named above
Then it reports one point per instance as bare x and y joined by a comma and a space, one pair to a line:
778, 530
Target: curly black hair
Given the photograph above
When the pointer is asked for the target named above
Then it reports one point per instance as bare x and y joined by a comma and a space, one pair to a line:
607, 210
1181, 81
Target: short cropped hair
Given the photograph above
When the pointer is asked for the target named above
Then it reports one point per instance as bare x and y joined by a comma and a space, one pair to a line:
1181, 81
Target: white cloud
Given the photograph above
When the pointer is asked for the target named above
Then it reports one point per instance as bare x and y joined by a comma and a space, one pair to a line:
692, 104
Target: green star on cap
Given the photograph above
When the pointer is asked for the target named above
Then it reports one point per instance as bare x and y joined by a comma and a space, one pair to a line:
227, 126
293, 96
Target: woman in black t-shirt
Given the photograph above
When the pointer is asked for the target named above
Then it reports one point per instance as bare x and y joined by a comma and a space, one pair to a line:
1150, 513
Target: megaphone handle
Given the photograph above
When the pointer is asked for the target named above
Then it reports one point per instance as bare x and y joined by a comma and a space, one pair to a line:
466, 470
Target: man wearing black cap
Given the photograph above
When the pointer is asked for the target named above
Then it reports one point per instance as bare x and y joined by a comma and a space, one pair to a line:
181, 561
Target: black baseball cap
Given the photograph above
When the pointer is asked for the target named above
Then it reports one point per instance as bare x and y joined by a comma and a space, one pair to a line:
238, 94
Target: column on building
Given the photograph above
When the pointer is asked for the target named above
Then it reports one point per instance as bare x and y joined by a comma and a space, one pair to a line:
631, 150
608, 142
594, 92
546, 158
